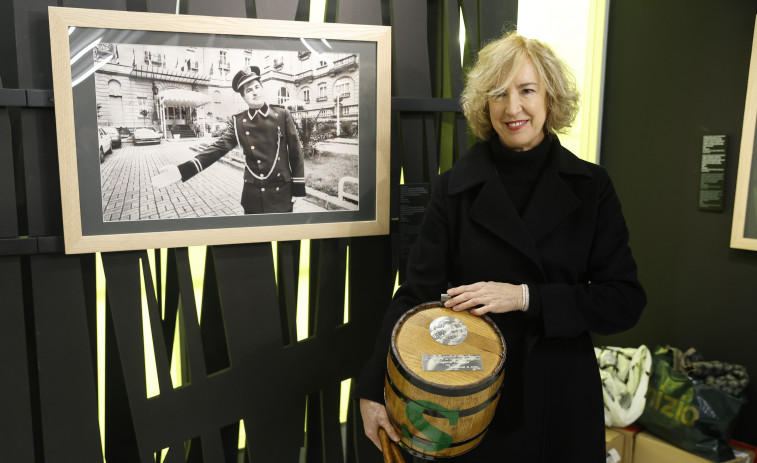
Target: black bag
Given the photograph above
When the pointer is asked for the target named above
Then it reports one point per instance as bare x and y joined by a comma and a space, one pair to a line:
688, 413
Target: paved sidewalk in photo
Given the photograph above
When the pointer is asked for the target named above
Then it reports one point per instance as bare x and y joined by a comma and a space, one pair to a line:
127, 193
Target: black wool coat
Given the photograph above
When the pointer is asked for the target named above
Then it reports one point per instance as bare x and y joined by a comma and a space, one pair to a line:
571, 247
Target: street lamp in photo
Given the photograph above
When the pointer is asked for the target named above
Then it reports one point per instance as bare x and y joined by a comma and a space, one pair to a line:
338, 99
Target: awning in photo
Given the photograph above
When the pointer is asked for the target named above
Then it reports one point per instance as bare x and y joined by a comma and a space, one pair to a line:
182, 97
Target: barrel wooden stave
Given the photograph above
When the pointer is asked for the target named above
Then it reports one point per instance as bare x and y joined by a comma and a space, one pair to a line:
464, 402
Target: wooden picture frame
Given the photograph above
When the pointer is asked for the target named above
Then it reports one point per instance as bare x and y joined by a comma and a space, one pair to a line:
744, 225
117, 71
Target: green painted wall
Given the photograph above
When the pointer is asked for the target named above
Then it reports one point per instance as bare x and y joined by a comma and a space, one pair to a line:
677, 70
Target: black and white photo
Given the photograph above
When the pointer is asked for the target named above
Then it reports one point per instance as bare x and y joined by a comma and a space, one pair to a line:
174, 106
179, 130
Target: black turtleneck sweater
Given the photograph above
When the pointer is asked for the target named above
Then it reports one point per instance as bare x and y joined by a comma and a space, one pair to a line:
519, 170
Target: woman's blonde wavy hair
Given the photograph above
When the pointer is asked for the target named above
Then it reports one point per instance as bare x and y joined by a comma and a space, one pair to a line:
496, 66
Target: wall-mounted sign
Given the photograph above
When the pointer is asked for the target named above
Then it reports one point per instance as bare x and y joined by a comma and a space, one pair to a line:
712, 173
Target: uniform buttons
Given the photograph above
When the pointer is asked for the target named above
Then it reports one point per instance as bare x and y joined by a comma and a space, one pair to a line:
277, 188
252, 147
262, 189
278, 174
247, 132
258, 161
244, 120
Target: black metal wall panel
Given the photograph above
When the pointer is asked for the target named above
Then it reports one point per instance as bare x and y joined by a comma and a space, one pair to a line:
288, 259
359, 12
323, 406
9, 224
276, 9
119, 5
266, 383
16, 426
228, 8
67, 385
37, 126
8, 74
371, 280
410, 45
415, 132
155, 6
494, 18
452, 13
486, 20
41, 179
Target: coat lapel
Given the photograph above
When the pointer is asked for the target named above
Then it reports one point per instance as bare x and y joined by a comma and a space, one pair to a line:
553, 199
492, 208
551, 202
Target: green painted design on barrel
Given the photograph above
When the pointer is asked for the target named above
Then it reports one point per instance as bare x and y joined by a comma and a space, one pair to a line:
440, 439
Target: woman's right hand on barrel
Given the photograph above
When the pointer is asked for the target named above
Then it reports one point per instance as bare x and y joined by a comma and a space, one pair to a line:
486, 297
374, 416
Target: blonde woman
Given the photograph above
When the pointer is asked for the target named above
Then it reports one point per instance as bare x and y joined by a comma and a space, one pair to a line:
524, 231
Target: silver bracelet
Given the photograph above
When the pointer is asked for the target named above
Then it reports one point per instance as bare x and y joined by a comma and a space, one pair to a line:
524, 289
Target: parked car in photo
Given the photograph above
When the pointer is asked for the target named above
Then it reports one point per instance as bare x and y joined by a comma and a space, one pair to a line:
105, 146
146, 135
125, 133
115, 137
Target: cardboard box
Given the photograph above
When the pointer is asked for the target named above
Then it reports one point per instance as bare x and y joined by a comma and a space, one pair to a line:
744, 450
629, 433
743, 455
614, 444
651, 449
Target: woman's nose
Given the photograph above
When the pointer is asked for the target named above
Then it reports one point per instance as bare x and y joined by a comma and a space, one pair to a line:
513, 105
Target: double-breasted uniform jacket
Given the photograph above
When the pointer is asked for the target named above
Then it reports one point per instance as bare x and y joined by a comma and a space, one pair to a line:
571, 247
274, 163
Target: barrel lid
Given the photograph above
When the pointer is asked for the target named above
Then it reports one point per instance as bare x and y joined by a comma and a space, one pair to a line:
461, 349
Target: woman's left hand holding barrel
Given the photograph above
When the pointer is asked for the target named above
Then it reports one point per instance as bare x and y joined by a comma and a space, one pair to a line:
375, 416
485, 297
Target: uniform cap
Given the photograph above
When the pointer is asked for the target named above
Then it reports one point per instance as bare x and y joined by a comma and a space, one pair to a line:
243, 76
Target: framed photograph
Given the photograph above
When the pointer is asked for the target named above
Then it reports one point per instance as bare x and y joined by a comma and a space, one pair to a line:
744, 226
182, 130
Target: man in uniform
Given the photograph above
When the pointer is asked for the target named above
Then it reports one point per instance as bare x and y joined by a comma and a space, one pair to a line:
274, 171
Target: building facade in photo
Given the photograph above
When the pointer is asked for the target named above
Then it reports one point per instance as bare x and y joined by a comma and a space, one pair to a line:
186, 91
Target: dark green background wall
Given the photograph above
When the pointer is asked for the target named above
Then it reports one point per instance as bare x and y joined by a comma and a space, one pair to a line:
677, 70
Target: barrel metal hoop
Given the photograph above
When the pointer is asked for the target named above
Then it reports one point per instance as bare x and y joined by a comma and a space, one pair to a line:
426, 442
463, 413
440, 390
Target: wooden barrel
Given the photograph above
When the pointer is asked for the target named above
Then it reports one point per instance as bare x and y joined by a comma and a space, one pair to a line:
444, 372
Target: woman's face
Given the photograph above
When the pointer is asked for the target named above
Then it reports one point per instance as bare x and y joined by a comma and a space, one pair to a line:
253, 94
518, 114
